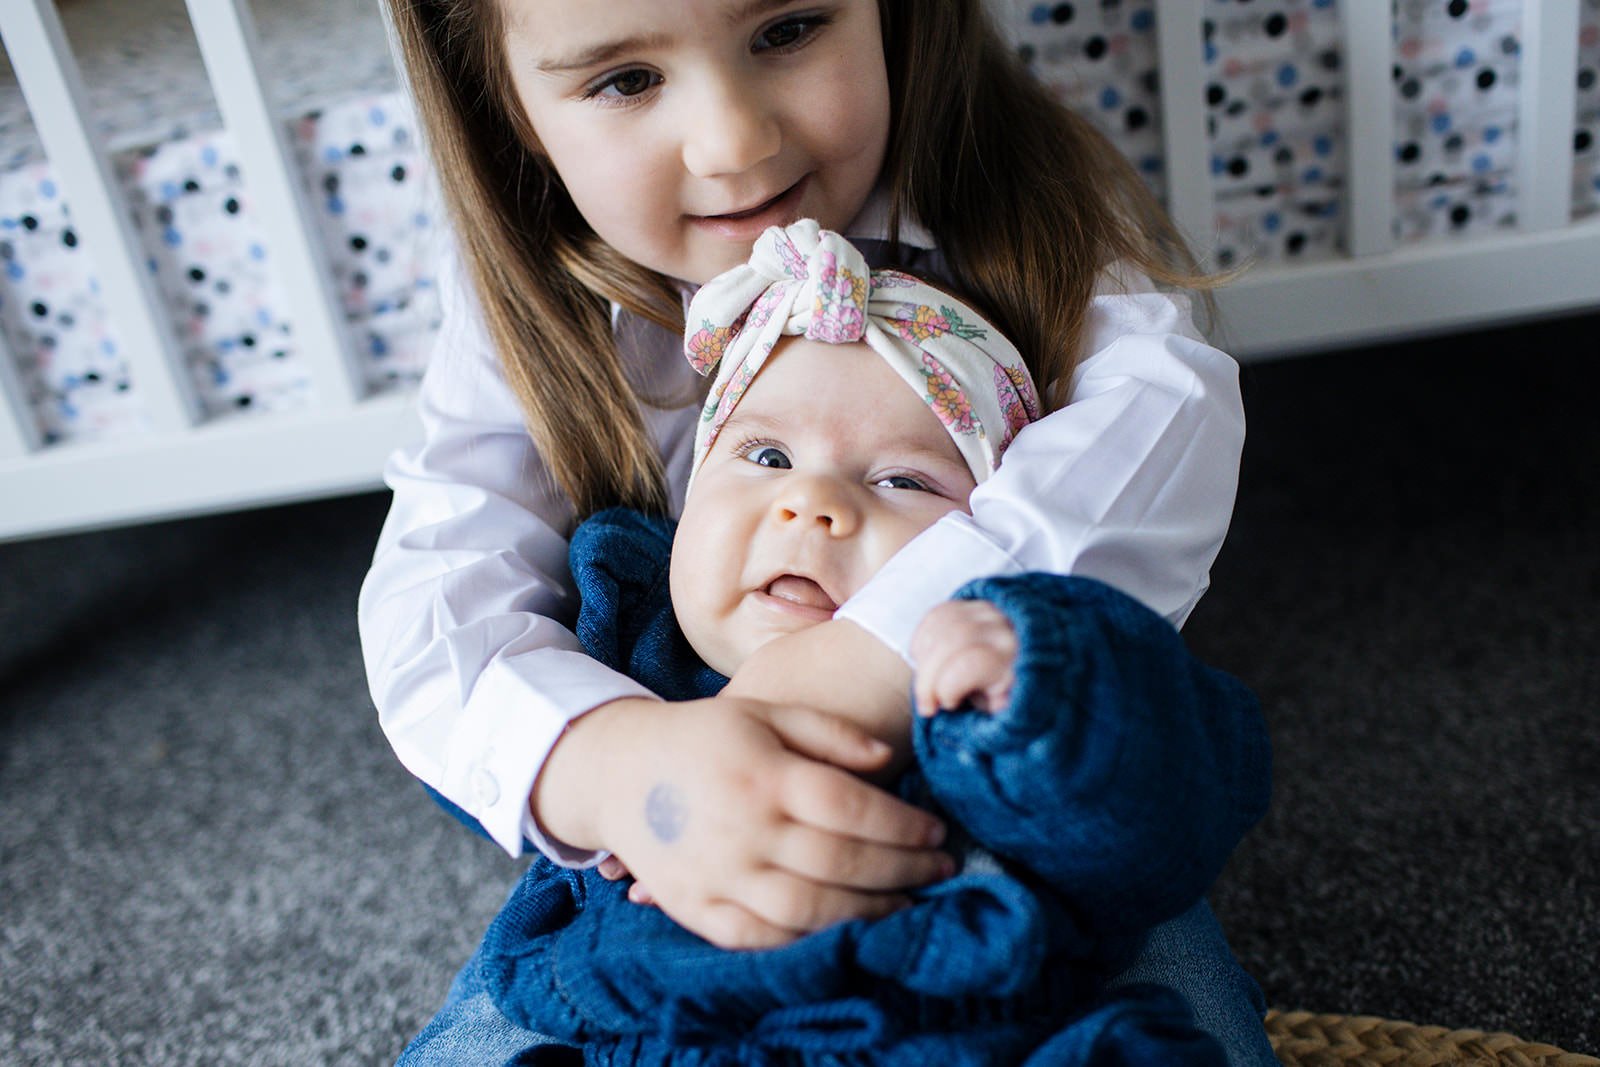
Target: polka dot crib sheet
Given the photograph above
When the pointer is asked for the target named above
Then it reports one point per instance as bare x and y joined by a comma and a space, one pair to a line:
1275, 106
1586, 175
213, 267
1457, 68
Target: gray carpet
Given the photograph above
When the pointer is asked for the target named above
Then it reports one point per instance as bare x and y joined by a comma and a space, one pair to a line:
208, 855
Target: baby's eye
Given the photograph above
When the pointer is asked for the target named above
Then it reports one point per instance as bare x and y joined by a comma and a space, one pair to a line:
900, 481
626, 83
768, 456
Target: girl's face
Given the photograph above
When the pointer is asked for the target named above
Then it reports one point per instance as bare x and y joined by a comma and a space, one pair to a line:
684, 128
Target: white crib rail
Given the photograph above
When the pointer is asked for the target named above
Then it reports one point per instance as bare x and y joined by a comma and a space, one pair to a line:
1549, 265
188, 464
185, 465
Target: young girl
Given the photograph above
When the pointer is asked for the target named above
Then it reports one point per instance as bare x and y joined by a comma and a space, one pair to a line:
600, 160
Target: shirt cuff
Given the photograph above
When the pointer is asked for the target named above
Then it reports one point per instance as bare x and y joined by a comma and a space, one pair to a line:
507, 734
923, 574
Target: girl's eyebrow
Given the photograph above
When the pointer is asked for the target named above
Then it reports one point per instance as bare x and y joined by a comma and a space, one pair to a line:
607, 51
604, 52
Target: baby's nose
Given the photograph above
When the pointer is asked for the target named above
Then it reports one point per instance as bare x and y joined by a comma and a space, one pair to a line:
817, 501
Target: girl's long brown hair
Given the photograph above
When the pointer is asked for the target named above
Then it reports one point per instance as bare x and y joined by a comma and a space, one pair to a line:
1027, 201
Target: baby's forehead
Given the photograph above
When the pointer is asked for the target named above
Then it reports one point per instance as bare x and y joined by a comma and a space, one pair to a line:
844, 385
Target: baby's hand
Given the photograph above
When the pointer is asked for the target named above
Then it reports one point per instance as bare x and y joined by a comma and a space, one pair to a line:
965, 652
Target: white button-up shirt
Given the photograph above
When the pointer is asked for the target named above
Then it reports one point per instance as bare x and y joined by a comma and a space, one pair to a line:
465, 615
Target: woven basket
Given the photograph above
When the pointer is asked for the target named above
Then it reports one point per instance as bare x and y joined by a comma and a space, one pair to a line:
1309, 1040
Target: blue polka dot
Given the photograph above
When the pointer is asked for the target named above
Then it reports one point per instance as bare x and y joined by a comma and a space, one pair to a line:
263, 317
225, 345
14, 271
380, 347
47, 189
1440, 123
1211, 52
1322, 145
1110, 98
420, 220
108, 347
1150, 165
1491, 134
1142, 21
1465, 58
1039, 15
1288, 74
170, 190
1481, 163
376, 116
1312, 175
8, 223
1269, 138
335, 206
172, 237
208, 156
331, 154
1271, 221
219, 375
257, 252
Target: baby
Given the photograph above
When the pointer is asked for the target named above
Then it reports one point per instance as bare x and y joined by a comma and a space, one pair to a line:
1095, 776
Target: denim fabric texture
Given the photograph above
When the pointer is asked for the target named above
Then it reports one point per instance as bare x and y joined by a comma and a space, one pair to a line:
1102, 802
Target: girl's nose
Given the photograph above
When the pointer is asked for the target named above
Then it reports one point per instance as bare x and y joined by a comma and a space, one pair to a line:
817, 503
732, 131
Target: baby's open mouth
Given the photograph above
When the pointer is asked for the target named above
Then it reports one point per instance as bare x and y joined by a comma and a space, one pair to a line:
803, 591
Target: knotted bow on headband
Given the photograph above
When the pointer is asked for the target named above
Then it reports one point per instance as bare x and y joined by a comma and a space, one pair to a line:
802, 280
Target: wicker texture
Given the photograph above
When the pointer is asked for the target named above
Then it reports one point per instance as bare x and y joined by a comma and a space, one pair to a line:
1309, 1040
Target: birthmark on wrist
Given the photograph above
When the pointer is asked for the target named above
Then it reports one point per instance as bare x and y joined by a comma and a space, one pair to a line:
665, 812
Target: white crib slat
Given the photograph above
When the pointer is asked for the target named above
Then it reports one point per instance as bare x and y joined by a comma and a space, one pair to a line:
19, 434
1180, 48
53, 88
225, 30
1547, 114
1369, 99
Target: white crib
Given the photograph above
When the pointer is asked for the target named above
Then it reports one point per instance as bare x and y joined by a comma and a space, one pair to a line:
189, 463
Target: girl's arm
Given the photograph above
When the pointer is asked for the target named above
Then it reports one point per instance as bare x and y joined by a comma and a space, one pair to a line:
461, 615
1132, 482
477, 678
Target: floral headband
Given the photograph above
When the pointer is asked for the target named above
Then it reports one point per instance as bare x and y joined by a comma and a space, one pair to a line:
802, 280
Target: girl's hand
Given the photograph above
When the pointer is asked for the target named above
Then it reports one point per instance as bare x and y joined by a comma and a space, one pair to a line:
742, 818
966, 652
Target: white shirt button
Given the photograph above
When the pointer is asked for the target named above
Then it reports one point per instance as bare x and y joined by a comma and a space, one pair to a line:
485, 786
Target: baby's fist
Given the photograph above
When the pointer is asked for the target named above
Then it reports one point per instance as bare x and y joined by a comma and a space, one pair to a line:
965, 652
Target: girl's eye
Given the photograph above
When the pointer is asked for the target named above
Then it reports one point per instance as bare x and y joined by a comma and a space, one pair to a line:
623, 85
768, 456
790, 34
901, 481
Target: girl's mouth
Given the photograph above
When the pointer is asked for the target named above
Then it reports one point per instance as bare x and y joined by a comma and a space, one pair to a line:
747, 225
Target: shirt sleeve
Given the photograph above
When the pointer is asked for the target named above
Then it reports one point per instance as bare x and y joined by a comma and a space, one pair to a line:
1131, 482
464, 614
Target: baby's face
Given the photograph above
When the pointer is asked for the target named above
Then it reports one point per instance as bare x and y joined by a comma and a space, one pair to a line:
827, 467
